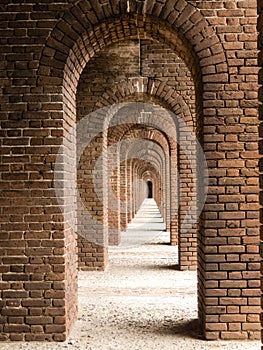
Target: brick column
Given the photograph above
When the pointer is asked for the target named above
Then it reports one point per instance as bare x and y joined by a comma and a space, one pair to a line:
92, 204
174, 196
114, 195
168, 191
129, 191
38, 242
260, 40
187, 202
123, 195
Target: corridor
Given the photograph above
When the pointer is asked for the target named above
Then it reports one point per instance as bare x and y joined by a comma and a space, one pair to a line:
104, 104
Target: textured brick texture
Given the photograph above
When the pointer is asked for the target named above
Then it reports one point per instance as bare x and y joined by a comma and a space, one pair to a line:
59, 62
260, 94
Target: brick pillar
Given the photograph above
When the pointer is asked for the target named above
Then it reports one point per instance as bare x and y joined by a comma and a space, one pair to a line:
260, 29
168, 191
229, 262
38, 290
92, 203
123, 195
164, 189
114, 195
187, 203
129, 191
174, 196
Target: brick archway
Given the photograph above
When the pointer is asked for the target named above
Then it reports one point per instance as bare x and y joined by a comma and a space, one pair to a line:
228, 237
126, 133
75, 63
208, 65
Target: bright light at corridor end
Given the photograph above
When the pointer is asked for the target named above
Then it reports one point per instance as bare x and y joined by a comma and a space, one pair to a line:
98, 126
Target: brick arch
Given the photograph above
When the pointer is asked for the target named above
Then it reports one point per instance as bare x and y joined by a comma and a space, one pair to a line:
151, 176
164, 142
144, 89
78, 36
83, 222
156, 189
130, 132
168, 126
192, 49
133, 131
137, 87
148, 90
154, 156
122, 135
126, 133
85, 29
71, 45
132, 164
139, 168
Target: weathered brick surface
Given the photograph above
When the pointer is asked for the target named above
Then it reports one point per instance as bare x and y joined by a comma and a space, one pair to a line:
260, 61
199, 60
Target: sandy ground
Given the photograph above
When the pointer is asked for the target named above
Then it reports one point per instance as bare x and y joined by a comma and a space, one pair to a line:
142, 302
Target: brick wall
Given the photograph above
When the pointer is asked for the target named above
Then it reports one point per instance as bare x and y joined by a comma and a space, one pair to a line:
260, 61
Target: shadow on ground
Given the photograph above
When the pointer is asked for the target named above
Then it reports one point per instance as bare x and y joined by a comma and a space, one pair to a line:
168, 327
187, 329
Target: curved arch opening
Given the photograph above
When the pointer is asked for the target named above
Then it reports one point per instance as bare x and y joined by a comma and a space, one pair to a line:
124, 181
89, 43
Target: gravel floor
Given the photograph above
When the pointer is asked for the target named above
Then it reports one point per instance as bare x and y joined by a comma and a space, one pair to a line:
142, 302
